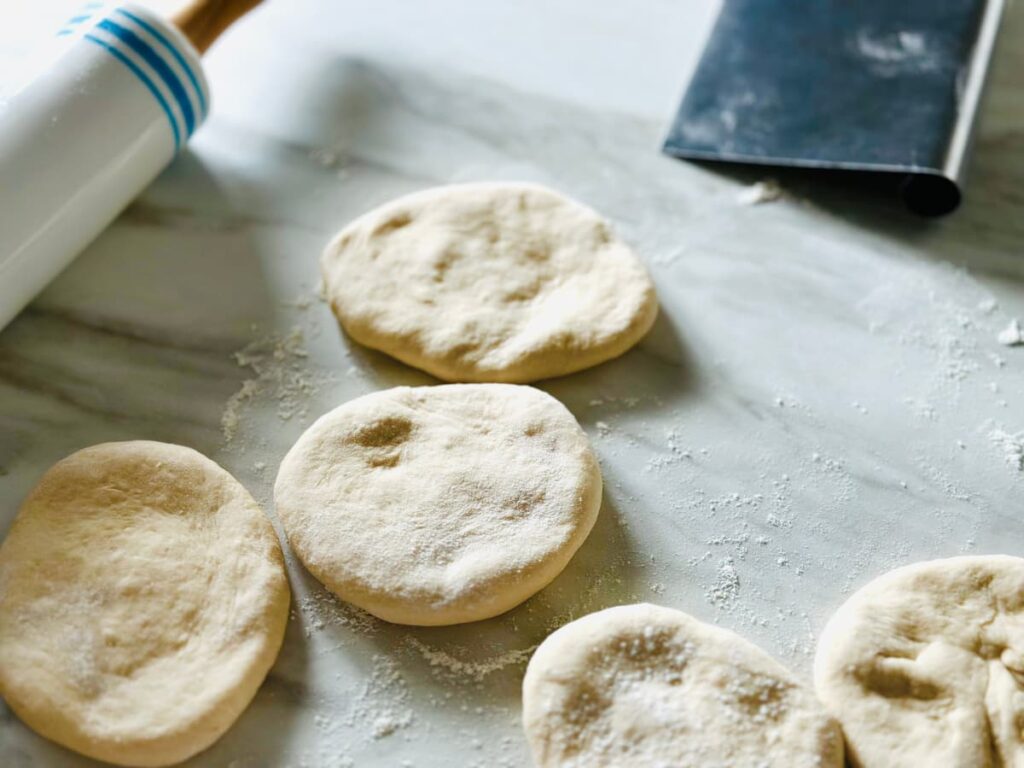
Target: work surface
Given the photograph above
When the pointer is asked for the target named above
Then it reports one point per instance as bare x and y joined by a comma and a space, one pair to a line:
823, 397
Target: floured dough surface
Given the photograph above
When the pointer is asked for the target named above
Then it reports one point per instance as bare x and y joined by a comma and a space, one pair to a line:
924, 666
440, 505
489, 282
143, 598
650, 687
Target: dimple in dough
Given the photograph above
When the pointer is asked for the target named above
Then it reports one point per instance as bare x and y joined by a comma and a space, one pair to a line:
143, 599
489, 282
924, 665
440, 505
650, 687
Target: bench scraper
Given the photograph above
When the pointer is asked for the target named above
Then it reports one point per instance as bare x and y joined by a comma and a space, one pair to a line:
885, 86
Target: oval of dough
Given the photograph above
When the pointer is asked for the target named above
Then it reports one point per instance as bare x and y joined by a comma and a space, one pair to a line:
489, 282
440, 505
143, 598
646, 687
923, 666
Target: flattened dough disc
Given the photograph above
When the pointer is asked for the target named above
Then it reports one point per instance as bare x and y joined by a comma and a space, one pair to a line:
440, 505
489, 282
924, 665
648, 687
143, 598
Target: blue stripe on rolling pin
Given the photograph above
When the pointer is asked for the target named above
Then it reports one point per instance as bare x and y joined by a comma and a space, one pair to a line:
70, 24
151, 57
174, 52
144, 78
84, 13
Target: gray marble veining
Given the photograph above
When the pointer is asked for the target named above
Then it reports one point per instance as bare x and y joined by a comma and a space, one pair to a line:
819, 401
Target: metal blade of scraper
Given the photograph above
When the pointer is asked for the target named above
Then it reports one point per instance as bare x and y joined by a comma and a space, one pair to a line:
871, 85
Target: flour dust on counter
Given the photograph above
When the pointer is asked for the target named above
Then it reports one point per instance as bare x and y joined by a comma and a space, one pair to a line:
382, 707
1012, 446
322, 609
1012, 335
280, 370
765, 191
444, 662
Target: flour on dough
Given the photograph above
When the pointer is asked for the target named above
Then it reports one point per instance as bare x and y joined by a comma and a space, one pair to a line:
650, 687
923, 666
440, 505
489, 282
143, 598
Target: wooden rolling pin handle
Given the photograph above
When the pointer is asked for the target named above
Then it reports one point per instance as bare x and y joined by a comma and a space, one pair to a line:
203, 21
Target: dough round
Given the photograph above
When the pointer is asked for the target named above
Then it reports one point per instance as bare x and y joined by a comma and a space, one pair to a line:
143, 598
440, 505
924, 665
650, 687
489, 282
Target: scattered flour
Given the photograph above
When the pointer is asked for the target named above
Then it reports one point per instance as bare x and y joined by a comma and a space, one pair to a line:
675, 452
279, 365
726, 590
1012, 446
921, 408
442, 661
378, 709
893, 52
382, 706
617, 404
765, 191
988, 305
330, 160
302, 301
231, 418
324, 157
937, 315
1012, 335
321, 610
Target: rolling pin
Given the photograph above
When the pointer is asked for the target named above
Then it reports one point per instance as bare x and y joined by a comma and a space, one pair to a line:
120, 94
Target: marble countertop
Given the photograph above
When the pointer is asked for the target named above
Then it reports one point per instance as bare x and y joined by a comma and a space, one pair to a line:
823, 397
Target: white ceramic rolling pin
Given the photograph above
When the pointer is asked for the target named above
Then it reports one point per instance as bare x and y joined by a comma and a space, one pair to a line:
120, 95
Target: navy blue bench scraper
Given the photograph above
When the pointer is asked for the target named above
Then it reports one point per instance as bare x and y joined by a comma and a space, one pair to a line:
887, 86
